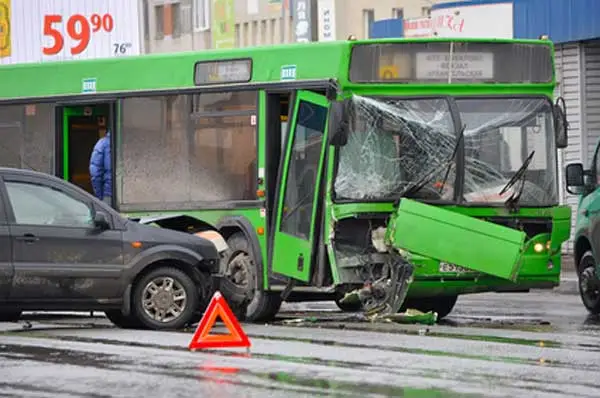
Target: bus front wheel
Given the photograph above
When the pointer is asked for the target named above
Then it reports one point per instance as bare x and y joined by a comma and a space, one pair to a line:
241, 269
443, 305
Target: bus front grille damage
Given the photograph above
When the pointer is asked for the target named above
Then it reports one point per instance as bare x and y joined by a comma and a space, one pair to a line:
385, 295
415, 228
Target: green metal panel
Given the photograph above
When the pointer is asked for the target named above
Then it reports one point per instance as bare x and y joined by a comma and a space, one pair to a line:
455, 238
313, 61
289, 249
561, 226
168, 71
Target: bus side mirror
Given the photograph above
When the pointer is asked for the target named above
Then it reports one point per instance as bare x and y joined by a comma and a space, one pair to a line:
561, 125
575, 178
338, 123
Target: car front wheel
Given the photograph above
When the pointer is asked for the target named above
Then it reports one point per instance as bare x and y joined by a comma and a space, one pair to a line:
589, 285
165, 298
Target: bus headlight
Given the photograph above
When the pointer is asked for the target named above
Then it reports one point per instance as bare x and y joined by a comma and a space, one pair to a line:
538, 247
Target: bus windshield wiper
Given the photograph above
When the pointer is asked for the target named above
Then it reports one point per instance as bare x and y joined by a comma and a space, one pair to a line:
518, 176
450, 163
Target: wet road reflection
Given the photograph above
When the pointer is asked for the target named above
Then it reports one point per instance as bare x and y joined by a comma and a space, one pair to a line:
487, 348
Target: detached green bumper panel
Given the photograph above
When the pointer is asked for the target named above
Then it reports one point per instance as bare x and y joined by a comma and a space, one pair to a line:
561, 230
458, 239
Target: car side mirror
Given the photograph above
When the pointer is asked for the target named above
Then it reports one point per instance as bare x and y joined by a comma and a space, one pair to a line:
101, 221
338, 123
575, 176
561, 125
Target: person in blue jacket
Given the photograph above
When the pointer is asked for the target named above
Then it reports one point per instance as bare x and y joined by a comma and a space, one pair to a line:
101, 169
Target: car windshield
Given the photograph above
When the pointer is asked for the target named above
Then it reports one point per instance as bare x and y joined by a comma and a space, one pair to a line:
394, 146
500, 134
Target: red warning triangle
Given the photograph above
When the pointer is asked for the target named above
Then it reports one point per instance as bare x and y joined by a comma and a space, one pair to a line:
236, 337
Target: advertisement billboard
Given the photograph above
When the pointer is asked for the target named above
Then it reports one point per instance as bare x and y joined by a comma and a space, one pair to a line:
223, 24
57, 30
480, 20
303, 28
326, 20
417, 27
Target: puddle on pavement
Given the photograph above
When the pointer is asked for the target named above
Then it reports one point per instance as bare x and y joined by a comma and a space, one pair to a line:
213, 373
358, 389
350, 364
439, 353
24, 389
430, 331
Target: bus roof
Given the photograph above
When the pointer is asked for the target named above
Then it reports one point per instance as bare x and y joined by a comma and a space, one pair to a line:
170, 71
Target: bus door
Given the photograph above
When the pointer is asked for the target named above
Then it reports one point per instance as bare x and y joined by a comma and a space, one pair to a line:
296, 220
82, 127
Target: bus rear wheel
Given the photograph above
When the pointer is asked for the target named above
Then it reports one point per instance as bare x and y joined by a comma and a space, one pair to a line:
443, 305
242, 270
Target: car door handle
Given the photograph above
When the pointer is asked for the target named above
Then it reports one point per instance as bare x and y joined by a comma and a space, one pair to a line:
28, 238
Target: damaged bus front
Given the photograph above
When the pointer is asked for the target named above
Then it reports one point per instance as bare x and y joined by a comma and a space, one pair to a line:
457, 188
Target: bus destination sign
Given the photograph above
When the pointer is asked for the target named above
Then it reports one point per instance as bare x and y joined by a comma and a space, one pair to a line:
463, 66
451, 62
225, 71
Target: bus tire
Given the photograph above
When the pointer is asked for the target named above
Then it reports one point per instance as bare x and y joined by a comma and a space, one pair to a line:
443, 305
346, 307
241, 269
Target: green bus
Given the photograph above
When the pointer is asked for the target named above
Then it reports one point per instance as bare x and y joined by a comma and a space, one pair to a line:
409, 170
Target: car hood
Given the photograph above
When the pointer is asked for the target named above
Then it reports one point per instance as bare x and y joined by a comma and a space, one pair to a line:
157, 235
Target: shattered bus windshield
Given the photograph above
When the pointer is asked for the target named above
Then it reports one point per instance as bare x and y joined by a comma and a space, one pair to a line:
500, 134
404, 147
394, 144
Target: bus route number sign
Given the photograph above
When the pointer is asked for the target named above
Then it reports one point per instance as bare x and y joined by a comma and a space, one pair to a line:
225, 71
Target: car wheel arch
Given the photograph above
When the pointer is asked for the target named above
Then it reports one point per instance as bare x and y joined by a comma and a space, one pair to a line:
582, 245
204, 284
160, 253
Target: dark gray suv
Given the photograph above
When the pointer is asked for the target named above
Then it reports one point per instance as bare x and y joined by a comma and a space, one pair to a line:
63, 249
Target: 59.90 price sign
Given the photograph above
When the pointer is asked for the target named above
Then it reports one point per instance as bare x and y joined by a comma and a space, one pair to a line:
65, 29
79, 29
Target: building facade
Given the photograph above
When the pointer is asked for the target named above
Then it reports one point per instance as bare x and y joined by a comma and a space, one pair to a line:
184, 25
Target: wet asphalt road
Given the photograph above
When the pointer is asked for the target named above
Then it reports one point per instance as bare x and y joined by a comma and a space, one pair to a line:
538, 344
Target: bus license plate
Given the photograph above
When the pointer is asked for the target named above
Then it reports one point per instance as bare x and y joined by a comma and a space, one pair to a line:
447, 267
